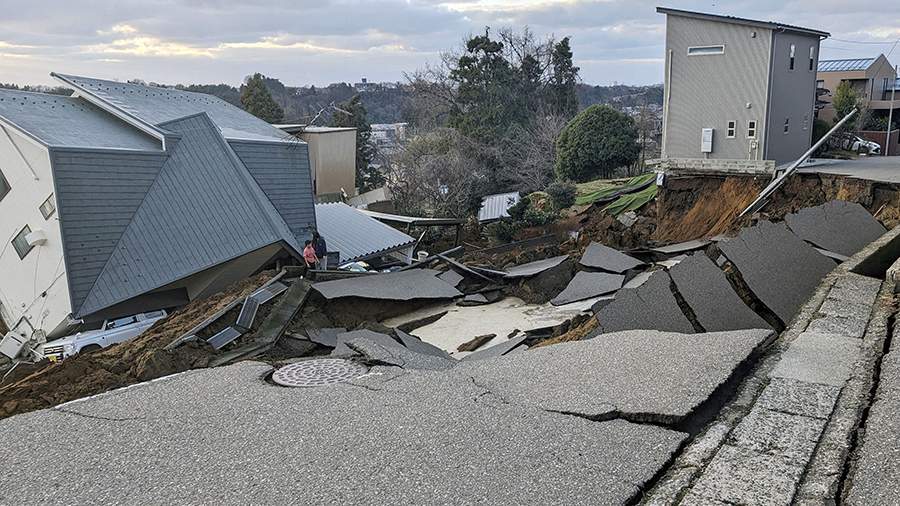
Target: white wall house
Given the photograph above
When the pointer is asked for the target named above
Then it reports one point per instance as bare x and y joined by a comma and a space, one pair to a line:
125, 198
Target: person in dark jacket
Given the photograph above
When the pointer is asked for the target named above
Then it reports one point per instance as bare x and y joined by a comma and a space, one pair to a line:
321, 250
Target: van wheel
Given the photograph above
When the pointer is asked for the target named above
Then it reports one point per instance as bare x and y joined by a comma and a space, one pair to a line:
91, 348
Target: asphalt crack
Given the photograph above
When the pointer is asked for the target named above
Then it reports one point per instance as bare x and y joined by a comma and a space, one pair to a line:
97, 417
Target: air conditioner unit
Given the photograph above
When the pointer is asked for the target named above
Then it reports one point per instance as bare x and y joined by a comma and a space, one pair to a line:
12, 345
36, 238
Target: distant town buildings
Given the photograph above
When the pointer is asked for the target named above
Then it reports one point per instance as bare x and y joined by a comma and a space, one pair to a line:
738, 88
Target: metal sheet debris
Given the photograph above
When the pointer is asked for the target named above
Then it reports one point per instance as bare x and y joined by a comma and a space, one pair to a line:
598, 256
651, 306
586, 285
837, 226
224, 337
712, 299
399, 286
682, 247
779, 268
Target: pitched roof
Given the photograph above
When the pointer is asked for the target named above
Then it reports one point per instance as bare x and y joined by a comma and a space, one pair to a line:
202, 209
772, 25
56, 120
355, 235
845, 65
156, 105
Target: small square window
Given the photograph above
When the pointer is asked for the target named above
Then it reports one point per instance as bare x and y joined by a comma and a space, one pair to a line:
21, 244
4, 186
787, 125
729, 132
751, 129
48, 207
793, 51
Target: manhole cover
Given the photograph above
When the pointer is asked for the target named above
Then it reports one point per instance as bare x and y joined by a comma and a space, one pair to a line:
315, 373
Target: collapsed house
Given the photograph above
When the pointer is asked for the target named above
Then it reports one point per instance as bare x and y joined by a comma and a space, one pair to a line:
124, 198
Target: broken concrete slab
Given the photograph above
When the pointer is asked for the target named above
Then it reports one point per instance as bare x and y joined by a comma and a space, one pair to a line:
398, 356
682, 247
586, 285
838, 226
779, 268
163, 428
341, 349
542, 287
598, 256
649, 306
478, 299
497, 350
534, 268
451, 277
397, 286
325, 336
743, 476
661, 377
818, 358
712, 299
415, 344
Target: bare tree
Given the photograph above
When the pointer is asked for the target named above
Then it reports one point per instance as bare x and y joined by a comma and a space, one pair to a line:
530, 153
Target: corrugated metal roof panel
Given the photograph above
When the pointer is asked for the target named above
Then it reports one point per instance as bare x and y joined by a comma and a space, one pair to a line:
156, 105
845, 65
494, 207
355, 235
70, 122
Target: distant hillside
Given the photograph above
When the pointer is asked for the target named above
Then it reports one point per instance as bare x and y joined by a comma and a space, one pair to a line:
620, 94
385, 103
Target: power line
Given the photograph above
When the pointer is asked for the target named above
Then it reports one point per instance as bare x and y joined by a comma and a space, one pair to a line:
861, 41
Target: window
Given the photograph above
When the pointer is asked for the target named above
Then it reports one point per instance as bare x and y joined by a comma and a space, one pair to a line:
48, 207
787, 125
21, 244
812, 58
820, 85
751, 129
793, 50
731, 129
705, 50
4, 186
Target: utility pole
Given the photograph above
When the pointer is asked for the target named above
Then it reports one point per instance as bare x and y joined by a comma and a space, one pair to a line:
887, 137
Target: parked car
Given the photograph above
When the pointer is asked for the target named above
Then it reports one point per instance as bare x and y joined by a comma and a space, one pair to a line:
857, 144
110, 333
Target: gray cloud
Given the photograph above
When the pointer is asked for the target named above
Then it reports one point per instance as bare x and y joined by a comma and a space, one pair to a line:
323, 41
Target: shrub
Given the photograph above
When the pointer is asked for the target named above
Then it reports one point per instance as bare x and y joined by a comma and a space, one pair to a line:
562, 194
595, 143
503, 231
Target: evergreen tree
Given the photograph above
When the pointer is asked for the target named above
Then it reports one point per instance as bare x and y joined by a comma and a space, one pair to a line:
367, 177
562, 88
257, 100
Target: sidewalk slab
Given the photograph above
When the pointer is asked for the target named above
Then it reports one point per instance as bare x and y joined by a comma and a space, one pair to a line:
799, 398
743, 476
816, 357
792, 437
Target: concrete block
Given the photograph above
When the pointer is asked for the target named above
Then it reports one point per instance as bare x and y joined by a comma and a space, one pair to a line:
649, 306
799, 397
743, 476
793, 437
818, 358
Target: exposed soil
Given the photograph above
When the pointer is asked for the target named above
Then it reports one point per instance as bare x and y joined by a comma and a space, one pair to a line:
576, 334
135, 361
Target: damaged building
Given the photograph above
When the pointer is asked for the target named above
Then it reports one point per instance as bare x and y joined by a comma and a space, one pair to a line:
124, 198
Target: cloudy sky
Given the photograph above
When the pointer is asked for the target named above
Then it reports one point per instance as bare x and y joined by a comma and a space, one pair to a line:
324, 41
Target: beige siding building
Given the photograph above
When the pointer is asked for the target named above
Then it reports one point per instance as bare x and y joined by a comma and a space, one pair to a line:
872, 78
332, 157
736, 88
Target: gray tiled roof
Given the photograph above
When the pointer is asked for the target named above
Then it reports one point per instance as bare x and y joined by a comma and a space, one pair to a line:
355, 235
494, 207
845, 65
156, 105
70, 122
202, 209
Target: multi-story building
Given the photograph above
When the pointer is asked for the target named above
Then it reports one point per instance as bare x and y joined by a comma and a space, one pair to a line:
738, 88
871, 78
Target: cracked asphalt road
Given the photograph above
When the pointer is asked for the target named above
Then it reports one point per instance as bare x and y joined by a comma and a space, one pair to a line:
393, 436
